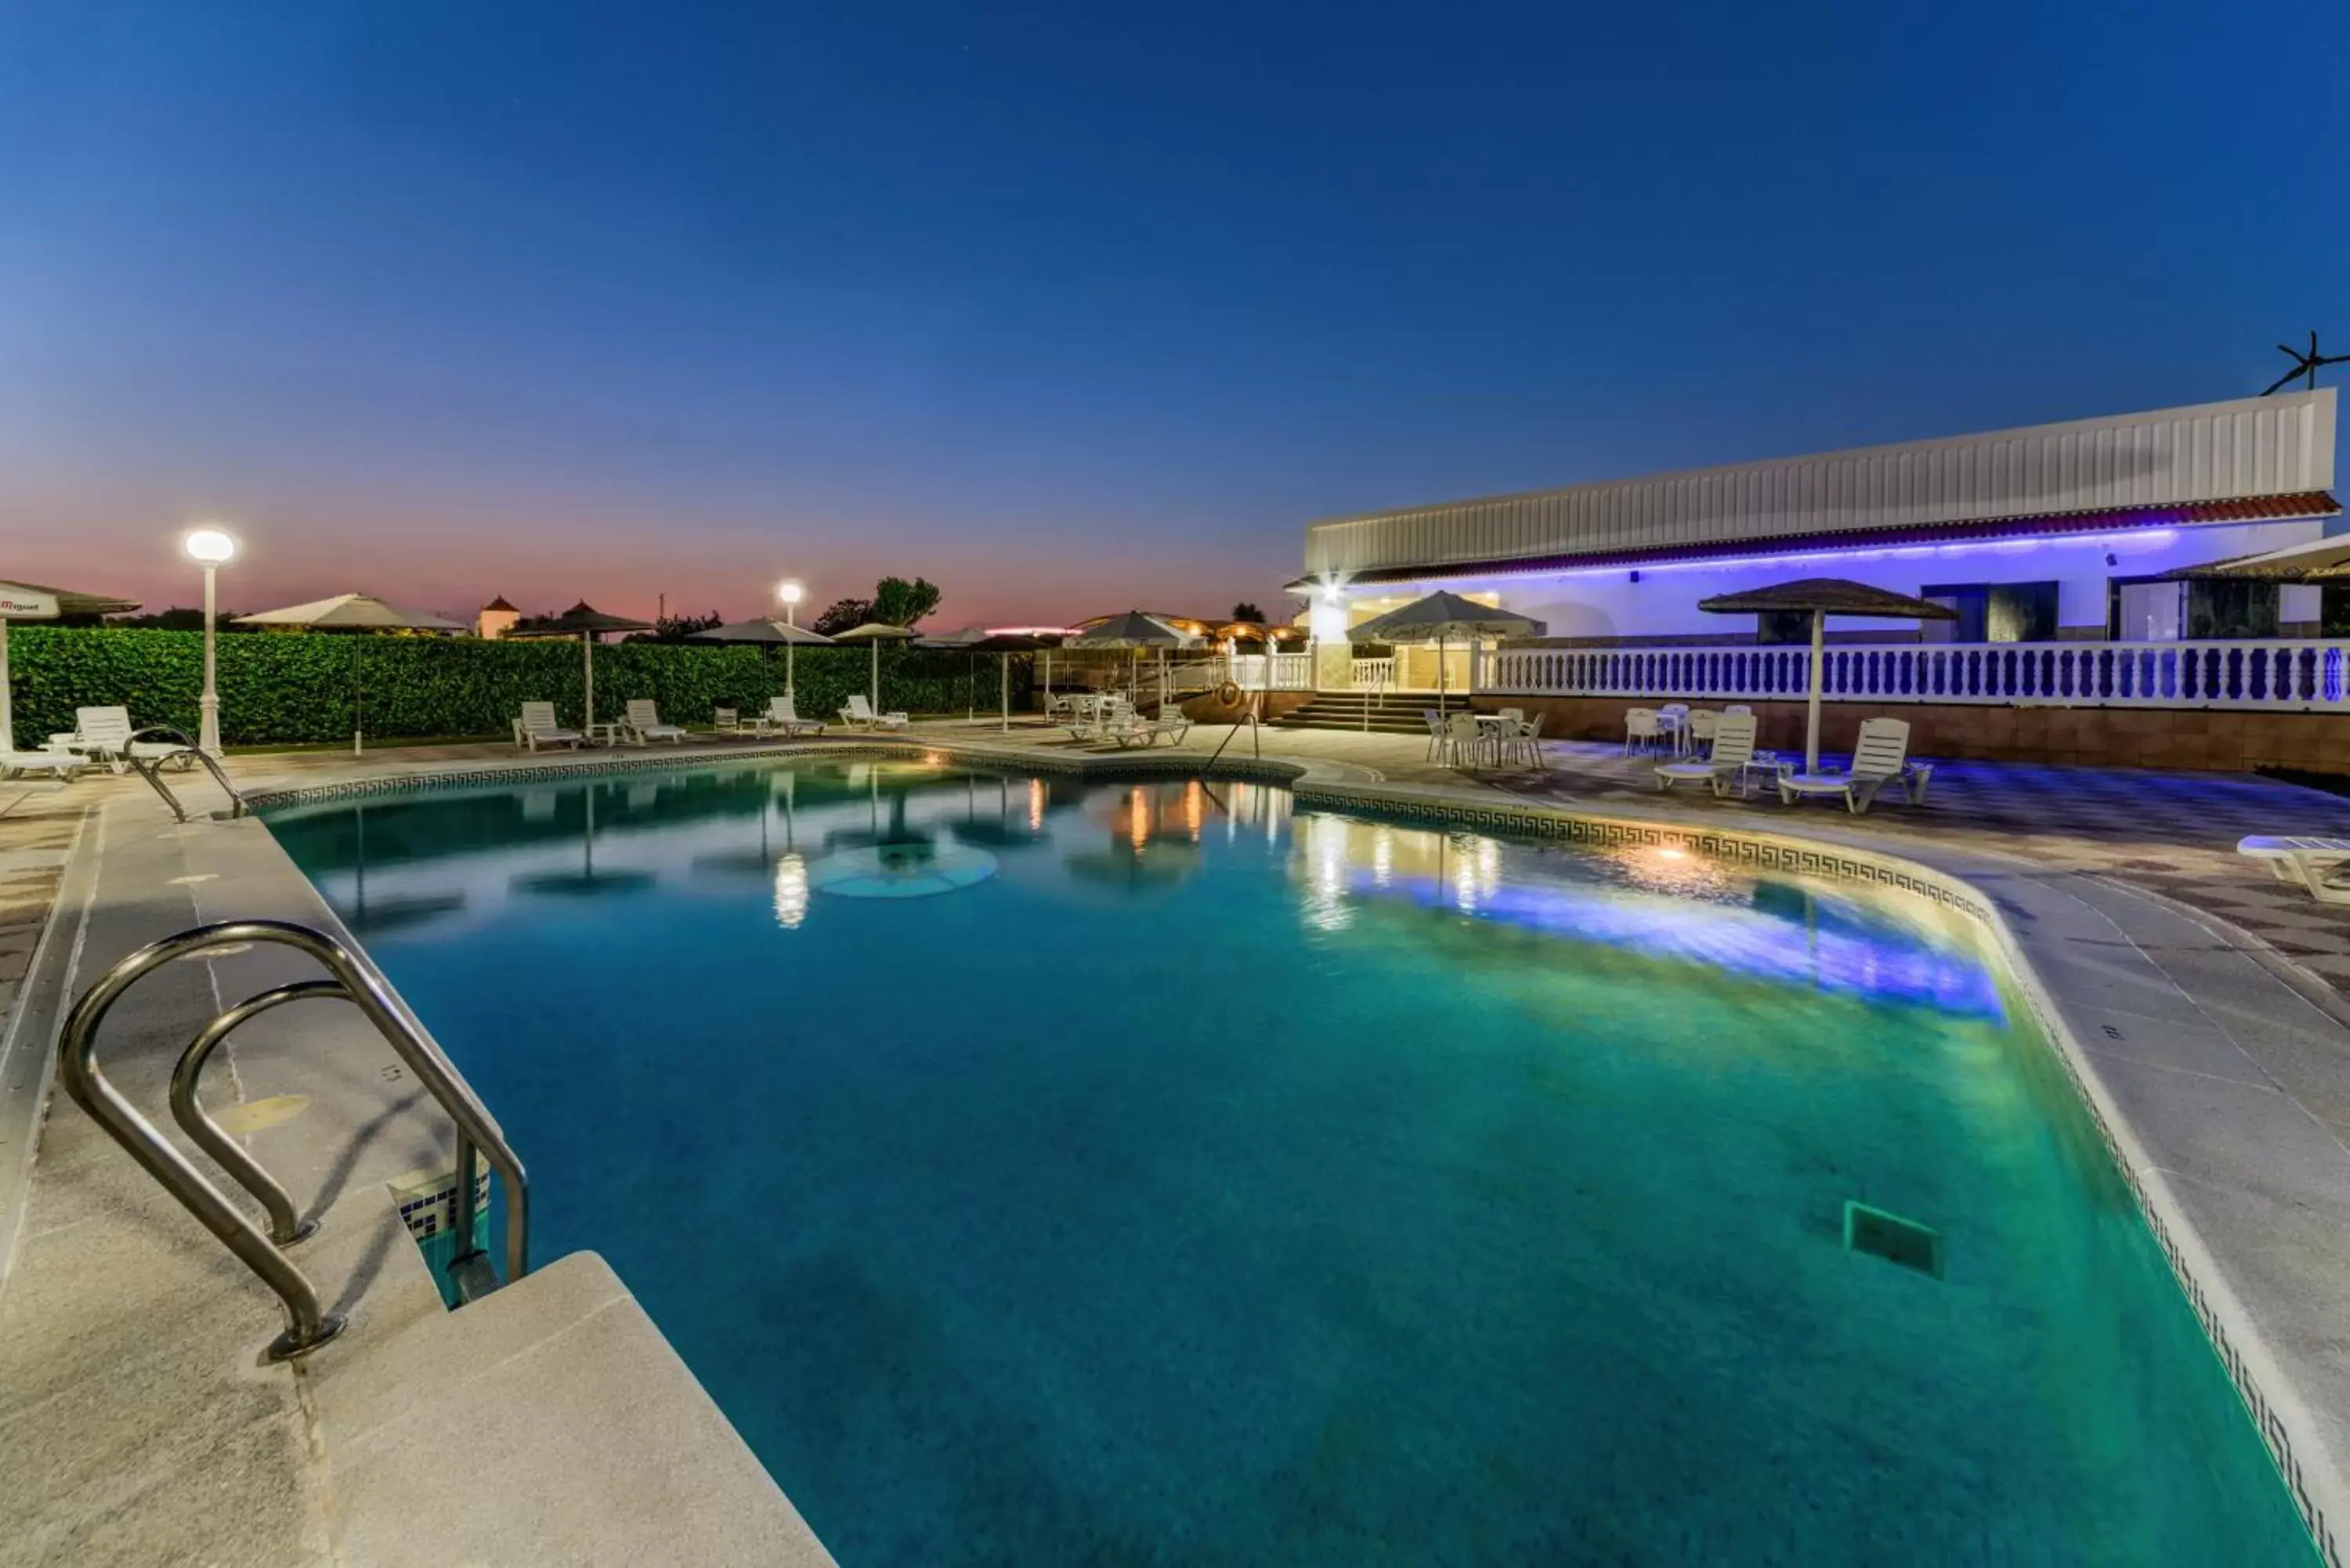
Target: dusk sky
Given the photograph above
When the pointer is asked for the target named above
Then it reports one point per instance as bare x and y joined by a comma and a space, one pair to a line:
1074, 308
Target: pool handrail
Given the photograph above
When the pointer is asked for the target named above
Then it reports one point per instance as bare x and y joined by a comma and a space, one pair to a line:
148, 768
354, 980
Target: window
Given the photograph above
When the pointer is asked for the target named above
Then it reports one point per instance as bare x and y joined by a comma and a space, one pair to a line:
2145, 609
1993, 612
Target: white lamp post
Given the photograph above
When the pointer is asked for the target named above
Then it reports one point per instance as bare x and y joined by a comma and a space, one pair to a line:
212, 548
790, 592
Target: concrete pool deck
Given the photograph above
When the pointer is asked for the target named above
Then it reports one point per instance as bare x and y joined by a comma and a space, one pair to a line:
2220, 1063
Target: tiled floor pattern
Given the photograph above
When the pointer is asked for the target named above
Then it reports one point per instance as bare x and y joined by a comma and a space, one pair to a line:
2171, 832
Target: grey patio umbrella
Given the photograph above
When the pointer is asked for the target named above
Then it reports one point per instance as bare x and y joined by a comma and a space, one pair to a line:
877, 632
1444, 618
961, 641
586, 622
353, 612
35, 601
1004, 647
1821, 597
1133, 631
768, 633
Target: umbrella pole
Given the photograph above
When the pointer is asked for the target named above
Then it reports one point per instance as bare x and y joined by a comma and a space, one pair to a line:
587, 665
874, 643
8, 703
1812, 712
1439, 678
1048, 679
358, 699
1006, 660
791, 689
971, 688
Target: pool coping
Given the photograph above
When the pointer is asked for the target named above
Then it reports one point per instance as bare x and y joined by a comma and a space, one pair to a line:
2313, 1472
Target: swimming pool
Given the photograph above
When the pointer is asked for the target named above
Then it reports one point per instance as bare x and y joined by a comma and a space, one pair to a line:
1046, 1172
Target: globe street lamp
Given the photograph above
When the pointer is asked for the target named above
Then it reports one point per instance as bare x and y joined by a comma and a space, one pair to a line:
790, 592
210, 548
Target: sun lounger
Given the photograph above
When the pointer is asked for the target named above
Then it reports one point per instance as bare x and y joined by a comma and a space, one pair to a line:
106, 733
1733, 748
781, 716
59, 765
643, 724
859, 715
536, 727
1879, 759
2308, 864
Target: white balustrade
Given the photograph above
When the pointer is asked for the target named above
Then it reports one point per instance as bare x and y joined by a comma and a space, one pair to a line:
1271, 672
2276, 675
1373, 674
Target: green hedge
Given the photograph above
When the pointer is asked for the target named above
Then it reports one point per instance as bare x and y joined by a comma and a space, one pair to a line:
289, 687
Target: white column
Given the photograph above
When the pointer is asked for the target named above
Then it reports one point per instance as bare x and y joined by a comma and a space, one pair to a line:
208, 731
1812, 713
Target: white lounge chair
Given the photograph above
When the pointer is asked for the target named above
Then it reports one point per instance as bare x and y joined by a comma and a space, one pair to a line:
1733, 748
1879, 758
859, 715
60, 765
537, 727
781, 716
2308, 864
106, 733
642, 724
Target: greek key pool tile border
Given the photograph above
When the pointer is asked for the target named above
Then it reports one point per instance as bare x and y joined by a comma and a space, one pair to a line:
1755, 851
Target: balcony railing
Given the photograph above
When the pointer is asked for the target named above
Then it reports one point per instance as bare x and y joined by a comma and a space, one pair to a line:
2270, 674
1373, 674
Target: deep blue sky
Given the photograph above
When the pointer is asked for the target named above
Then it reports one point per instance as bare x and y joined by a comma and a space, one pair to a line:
1071, 307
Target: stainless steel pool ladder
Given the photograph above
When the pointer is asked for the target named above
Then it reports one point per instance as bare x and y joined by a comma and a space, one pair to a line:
151, 769
351, 979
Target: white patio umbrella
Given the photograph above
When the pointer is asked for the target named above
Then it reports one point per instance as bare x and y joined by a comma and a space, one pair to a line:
31, 602
353, 612
876, 632
1444, 618
1821, 597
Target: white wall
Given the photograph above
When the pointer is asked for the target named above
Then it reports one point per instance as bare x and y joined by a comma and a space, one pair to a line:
1664, 601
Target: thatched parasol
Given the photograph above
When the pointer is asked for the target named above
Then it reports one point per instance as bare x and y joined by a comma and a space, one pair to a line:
1821, 597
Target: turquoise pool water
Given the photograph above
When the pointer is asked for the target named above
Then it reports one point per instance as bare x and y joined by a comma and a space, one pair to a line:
1040, 1173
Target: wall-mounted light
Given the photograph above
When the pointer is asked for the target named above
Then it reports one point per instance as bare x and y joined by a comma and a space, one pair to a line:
1635, 577
2112, 559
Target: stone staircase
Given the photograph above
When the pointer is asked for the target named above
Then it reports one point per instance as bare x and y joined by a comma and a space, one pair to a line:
1381, 714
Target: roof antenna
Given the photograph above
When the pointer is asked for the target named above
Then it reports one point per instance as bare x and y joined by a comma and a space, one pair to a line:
2306, 365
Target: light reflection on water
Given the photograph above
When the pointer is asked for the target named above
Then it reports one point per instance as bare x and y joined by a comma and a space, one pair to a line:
1663, 901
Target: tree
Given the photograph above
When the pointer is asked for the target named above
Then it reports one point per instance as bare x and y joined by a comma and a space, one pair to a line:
179, 619
843, 614
1248, 612
901, 603
676, 628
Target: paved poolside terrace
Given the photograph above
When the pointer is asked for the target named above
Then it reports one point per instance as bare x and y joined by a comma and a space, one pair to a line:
2204, 1005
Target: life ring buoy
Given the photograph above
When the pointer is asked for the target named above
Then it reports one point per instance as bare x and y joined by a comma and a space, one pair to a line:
1228, 695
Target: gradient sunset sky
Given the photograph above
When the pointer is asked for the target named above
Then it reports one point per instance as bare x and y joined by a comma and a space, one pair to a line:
1071, 309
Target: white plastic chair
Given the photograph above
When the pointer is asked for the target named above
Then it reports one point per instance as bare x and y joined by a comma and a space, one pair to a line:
1641, 726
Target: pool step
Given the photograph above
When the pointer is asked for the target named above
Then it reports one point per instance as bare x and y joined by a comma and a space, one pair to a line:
1382, 714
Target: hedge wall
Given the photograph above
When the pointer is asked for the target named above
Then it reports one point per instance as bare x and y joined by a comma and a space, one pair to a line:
286, 687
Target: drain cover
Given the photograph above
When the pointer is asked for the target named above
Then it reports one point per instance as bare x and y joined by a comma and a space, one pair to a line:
1890, 1237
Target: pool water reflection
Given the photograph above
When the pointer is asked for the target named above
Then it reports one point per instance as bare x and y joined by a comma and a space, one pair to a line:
1205, 1181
